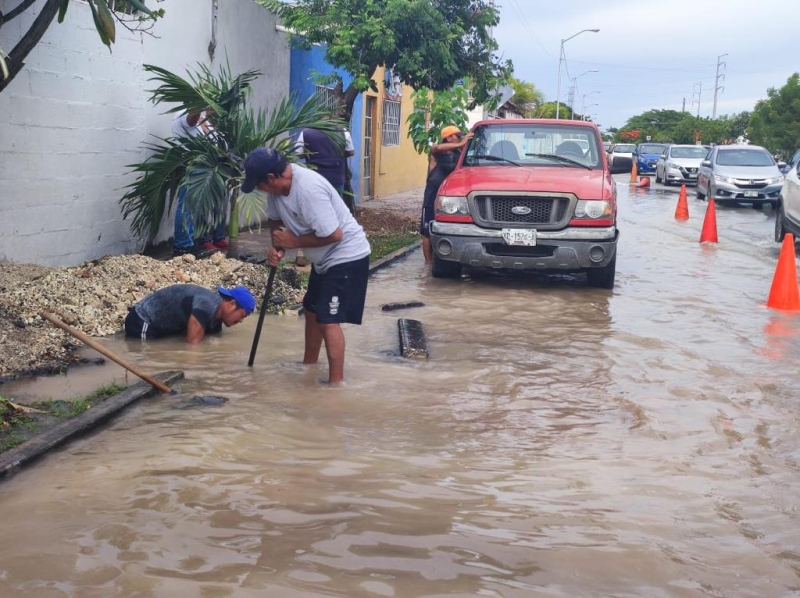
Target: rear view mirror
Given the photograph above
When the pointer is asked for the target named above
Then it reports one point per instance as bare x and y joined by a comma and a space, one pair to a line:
535, 135
705, 163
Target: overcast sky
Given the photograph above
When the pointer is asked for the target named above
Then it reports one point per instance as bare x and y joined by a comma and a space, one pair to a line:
652, 54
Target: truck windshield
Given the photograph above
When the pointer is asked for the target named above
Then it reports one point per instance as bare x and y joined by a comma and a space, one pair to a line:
528, 144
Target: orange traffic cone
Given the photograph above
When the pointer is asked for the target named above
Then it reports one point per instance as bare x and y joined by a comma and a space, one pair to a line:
634, 172
682, 210
644, 182
784, 293
709, 232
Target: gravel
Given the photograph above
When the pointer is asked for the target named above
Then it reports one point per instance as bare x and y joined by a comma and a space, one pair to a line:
94, 298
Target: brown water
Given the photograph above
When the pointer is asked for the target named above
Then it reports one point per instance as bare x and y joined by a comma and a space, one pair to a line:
561, 441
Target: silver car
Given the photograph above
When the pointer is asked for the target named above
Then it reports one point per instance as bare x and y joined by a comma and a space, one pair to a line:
679, 164
620, 157
739, 174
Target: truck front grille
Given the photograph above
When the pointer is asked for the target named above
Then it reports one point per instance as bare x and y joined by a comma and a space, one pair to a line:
511, 209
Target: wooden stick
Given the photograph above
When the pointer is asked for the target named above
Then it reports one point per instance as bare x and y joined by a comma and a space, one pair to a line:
261, 314
101, 349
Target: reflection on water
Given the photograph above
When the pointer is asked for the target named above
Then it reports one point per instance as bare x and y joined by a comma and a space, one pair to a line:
560, 441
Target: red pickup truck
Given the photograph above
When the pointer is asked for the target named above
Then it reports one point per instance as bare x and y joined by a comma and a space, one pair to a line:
530, 194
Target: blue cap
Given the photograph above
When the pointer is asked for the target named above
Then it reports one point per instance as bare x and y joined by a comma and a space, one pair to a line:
243, 297
259, 164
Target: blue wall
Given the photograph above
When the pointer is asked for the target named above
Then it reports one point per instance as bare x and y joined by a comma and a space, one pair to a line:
305, 67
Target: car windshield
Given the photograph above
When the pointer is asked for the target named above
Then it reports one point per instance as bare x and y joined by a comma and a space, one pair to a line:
744, 157
689, 152
533, 144
652, 148
624, 148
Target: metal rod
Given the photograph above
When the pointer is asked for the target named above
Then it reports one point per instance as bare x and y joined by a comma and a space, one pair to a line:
261, 314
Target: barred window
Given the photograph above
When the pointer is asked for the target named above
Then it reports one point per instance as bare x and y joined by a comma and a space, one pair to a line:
391, 122
326, 97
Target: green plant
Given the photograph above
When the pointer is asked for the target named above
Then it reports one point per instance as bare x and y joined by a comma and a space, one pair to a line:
212, 166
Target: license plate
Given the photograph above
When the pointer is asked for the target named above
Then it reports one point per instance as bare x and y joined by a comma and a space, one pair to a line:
519, 236
751, 193
692, 175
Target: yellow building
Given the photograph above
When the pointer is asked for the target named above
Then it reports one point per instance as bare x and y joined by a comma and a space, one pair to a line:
390, 162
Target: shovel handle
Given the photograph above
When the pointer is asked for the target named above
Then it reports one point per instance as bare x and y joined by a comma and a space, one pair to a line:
101, 349
261, 314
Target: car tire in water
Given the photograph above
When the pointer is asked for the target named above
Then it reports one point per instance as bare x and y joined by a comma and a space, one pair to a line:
699, 195
780, 226
658, 178
444, 269
603, 278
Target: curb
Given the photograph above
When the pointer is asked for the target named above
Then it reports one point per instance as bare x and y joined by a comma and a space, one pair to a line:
34, 448
393, 257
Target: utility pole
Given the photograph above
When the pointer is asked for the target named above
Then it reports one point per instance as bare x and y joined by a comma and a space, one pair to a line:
683, 107
717, 86
699, 94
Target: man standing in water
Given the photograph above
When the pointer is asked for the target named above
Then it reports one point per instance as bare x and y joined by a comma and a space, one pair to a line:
188, 309
306, 212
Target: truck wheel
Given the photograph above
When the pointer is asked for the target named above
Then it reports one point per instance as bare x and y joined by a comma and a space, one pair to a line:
603, 278
444, 269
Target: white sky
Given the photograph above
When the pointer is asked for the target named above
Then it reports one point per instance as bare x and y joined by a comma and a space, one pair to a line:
652, 54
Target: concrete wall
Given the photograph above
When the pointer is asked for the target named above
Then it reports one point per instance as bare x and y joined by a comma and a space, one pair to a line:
76, 116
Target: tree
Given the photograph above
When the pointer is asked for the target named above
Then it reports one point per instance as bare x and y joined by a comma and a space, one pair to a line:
212, 166
428, 43
775, 122
104, 18
548, 110
526, 96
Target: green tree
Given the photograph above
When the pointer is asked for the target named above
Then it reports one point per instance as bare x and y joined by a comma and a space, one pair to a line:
104, 18
433, 111
775, 122
526, 96
212, 166
548, 110
430, 44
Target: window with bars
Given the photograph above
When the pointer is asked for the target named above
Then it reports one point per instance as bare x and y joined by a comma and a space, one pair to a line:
325, 94
391, 123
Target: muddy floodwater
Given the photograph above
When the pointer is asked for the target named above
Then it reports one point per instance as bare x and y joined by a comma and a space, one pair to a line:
560, 441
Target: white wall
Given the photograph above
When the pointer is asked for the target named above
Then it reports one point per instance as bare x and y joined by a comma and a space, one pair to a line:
76, 116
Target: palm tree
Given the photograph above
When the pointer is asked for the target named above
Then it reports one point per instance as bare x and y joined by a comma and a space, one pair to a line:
527, 96
212, 166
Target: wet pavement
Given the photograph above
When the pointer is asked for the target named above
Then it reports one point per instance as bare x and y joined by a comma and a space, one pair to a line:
559, 441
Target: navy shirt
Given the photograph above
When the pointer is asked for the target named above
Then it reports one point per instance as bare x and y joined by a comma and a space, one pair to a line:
325, 156
168, 310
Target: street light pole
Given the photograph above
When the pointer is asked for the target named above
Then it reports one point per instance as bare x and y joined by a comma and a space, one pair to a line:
583, 114
560, 59
575, 89
583, 104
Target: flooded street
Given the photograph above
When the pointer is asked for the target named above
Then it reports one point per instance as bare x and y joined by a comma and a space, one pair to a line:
560, 441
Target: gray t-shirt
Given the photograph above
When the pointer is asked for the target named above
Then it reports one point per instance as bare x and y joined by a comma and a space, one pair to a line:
314, 206
167, 311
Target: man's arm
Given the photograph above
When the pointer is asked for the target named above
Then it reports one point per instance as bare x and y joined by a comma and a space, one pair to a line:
286, 239
194, 331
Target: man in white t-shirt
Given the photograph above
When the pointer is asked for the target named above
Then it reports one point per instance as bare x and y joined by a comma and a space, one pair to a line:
191, 124
305, 212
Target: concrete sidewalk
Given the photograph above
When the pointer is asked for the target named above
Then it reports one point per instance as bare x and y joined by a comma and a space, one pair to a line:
406, 201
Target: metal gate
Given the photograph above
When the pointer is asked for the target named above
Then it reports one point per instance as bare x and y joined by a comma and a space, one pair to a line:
369, 151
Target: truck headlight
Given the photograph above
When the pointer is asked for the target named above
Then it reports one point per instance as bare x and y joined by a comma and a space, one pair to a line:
451, 205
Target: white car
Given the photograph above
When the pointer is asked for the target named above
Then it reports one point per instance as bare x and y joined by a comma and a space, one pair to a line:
620, 157
787, 216
679, 164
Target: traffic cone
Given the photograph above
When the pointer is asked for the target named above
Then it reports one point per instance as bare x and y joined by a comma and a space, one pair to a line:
634, 172
644, 182
682, 210
709, 232
784, 293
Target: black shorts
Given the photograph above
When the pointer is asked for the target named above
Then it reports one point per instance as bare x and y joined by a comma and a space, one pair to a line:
135, 327
338, 296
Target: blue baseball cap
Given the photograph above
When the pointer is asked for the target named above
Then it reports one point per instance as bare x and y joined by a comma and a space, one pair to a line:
243, 297
259, 164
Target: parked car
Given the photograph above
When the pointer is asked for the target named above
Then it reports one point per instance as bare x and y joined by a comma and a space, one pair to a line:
620, 157
787, 166
787, 215
739, 174
525, 195
680, 164
646, 156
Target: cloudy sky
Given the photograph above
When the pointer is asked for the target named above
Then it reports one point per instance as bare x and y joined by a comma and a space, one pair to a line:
652, 54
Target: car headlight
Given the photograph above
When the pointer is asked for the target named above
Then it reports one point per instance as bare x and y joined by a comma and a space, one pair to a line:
723, 179
592, 209
673, 166
451, 206
777, 179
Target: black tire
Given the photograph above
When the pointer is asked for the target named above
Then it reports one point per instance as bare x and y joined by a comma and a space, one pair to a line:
697, 192
658, 179
780, 224
445, 269
603, 278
